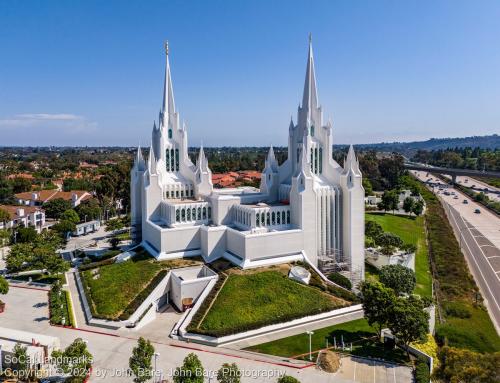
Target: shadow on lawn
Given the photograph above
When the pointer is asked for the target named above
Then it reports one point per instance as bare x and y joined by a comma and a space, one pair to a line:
366, 344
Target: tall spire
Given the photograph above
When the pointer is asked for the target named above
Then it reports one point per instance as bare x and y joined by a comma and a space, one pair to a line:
139, 159
151, 161
271, 160
351, 163
202, 160
310, 97
168, 106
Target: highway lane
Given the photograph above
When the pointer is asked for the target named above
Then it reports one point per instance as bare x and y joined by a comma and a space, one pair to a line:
479, 236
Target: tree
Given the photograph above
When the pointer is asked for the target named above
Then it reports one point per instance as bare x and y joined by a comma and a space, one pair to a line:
29, 256
55, 207
389, 239
21, 359
89, 209
460, 365
229, 373
399, 278
140, 361
114, 241
367, 185
418, 207
70, 215
287, 379
4, 216
26, 234
408, 320
408, 205
373, 229
75, 360
21, 185
377, 301
4, 286
114, 224
64, 227
191, 370
390, 200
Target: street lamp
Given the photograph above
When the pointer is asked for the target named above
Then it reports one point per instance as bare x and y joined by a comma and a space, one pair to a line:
156, 355
310, 333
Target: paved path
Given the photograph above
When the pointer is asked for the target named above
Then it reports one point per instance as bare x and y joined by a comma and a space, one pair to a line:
27, 310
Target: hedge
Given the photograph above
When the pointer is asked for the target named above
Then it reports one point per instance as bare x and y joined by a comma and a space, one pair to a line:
341, 280
422, 373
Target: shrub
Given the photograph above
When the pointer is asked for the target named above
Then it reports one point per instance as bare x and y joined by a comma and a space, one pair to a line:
457, 310
399, 278
288, 379
340, 280
422, 373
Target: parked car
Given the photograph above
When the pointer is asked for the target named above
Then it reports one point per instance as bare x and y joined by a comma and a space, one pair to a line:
477, 211
456, 197
466, 202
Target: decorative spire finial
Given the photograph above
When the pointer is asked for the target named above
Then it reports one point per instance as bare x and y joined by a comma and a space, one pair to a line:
310, 38
165, 45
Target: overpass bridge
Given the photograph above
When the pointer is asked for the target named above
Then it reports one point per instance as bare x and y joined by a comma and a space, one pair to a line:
450, 171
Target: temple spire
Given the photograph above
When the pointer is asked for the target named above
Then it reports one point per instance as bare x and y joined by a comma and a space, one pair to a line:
168, 106
310, 97
351, 162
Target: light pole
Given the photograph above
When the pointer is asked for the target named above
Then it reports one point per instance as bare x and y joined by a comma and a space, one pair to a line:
310, 333
156, 355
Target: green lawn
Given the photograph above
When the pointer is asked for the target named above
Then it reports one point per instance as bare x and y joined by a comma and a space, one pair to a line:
411, 230
112, 287
249, 301
362, 336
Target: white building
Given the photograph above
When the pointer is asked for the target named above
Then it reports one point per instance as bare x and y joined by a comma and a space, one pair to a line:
23, 216
309, 206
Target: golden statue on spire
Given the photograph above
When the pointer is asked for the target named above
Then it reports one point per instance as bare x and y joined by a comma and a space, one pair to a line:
165, 45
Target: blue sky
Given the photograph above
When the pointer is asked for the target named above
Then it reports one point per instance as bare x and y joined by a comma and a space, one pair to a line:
91, 72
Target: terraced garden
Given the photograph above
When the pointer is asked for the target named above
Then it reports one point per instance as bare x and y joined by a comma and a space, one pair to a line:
114, 290
250, 300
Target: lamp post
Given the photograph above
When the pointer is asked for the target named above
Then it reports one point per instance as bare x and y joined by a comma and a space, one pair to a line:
156, 355
310, 333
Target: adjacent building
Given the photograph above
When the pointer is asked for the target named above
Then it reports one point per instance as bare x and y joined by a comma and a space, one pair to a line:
309, 207
38, 198
23, 216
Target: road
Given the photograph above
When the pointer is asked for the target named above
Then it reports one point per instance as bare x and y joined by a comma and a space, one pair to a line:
479, 237
492, 192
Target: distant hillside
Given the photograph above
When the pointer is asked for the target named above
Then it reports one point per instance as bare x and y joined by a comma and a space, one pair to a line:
484, 142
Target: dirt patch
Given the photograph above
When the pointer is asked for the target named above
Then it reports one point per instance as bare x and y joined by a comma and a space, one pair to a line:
329, 361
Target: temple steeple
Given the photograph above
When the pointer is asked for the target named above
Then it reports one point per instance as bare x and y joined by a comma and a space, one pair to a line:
168, 106
351, 162
310, 96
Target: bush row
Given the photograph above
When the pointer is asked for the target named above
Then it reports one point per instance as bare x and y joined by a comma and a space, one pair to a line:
60, 310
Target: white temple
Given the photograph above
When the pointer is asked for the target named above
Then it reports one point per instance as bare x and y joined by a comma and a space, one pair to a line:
308, 208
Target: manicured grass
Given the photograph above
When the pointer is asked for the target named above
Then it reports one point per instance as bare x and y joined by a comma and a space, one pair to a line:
249, 301
358, 332
371, 272
112, 287
411, 230
115, 290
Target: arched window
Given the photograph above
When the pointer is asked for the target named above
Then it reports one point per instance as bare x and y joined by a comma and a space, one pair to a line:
288, 216
268, 219
273, 218
183, 215
320, 160
263, 218
177, 215
170, 133
188, 214
298, 154
283, 217
193, 213
199, 213
312, 130
167, 159
257, 219
204, 212
278, 218
209, 212
177, 159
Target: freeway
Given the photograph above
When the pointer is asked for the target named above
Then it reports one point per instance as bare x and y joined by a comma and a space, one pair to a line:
479, 237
